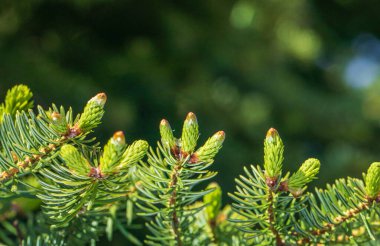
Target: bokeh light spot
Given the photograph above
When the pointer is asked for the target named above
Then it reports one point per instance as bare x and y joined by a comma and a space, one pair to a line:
242, 15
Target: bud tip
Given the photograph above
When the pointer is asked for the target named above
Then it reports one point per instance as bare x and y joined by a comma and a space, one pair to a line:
119, 137
271, 132
100, 98
164, 122
191, 117
55, 116
221, 134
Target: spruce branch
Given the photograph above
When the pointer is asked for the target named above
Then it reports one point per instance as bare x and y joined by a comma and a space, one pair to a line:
168, 178
77, 184
30, 140
272, 219
214, 201
281, 213
173, 203
87, 191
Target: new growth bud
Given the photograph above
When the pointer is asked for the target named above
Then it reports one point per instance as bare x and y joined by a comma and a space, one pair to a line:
273, 154
92, 113
19, 98
113, 151
118, 138
305, 174
372, 180
190, 134
209, 150
75, 160
59, 123
167, 137
100, 99
133, 154
214, 200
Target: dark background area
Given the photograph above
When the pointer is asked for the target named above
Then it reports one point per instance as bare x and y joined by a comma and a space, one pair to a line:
311, 69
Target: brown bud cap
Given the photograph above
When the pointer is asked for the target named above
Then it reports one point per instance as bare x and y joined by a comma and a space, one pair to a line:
100, 98
55, 116
271, 134
118, 137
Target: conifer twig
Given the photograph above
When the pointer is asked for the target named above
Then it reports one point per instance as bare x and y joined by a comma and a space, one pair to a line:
172, 203
279, 241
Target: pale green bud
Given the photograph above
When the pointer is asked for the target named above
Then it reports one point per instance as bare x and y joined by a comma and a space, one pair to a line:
209, 150
167, 137
273, 154
58, 123
190, 134
305, 174
92, 113
372, 180
18, 99
133, 154
214, 200
74, 160
112, 153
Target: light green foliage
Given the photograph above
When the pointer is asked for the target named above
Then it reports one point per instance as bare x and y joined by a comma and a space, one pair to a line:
166, 132
29, 143
220, 231
113, 152
273, 154
32, 139
372, 180
168, 179
190, 134
59, 123
133, 154
305, 174
19, 98
92, 192
342, 213
92, 113
87, 192
214, 201
212, 146
75, 160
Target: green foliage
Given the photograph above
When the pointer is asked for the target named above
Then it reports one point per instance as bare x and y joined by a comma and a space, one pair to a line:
280, 213
82, 192
305, 174
168, 178
372, 180
75, 160
133, 154
167, 138
92, 113
190, 134
212, 146
19, 98
75, 186
214, 201
273, 155
112, 153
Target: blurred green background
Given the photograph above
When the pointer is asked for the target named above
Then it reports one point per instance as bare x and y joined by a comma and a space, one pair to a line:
311, 69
